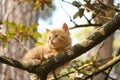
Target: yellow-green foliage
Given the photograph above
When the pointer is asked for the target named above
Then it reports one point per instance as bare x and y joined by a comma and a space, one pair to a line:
41, 40
19, 31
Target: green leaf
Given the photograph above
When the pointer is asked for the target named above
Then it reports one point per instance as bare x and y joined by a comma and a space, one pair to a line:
76, 15
68, 69
34, 26
81, 11
77, 4
36, 35
87, 1
11, 33
93, 15
92, 59
39, 43
24, 38
9, 25
1, 36
20, 26
49, 5
4, 45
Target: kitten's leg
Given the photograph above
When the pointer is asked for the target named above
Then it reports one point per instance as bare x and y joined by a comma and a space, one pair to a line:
49, 55
34, 77
32, 62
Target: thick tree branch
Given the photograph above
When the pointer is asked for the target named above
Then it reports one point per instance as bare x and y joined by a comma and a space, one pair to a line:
98, 36
77, 50
17, 64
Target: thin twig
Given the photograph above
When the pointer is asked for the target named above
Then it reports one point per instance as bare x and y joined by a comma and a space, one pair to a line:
96, 13
107, 74
54, 74
89, 21
104, 67
66, 12
104, 17
66, 74
117, 10
99, 51
85, 25
26, 48
103, 60
118, 53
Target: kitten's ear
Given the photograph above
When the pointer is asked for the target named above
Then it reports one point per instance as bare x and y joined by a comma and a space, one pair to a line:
65, 27
47, 30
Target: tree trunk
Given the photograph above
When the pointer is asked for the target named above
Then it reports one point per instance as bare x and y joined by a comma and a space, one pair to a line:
104, 49
22, 13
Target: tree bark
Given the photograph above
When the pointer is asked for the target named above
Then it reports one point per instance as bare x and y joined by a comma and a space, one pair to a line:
16, 12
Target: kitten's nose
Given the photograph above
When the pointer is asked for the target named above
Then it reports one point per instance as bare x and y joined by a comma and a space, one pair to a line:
52, 41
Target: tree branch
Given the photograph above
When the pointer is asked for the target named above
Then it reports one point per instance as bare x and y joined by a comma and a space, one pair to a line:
98, 36
104, 67
111, 7
85, 25
17, 64
77, 50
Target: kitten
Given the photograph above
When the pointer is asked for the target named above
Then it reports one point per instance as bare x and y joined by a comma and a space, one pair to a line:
58, 41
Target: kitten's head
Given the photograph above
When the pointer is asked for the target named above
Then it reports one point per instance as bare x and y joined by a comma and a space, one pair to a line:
59, 38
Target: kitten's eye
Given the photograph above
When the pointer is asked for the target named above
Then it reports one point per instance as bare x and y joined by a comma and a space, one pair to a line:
56, 36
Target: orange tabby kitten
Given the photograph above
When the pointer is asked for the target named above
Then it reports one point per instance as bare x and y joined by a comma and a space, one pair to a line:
58, 41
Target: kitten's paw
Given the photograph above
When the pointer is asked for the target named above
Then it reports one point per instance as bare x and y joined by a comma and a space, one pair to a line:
36, 62
34, 77
48, 55
33, 62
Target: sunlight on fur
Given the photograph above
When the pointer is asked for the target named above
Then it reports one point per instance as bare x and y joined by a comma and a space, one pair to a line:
58, 41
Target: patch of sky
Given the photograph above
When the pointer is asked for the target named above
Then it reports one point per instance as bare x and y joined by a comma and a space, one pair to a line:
59, 17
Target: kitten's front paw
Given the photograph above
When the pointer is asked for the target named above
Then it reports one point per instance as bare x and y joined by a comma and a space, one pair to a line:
48, 56
36, 62
34, 77
33, 62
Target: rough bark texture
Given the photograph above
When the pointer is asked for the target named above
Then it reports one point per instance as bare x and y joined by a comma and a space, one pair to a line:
12, 11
